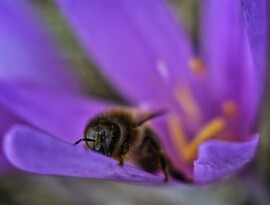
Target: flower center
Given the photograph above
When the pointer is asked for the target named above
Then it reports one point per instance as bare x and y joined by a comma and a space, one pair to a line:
188, 149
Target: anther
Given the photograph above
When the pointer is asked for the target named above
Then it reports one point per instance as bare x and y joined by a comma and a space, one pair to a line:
196, 65
229, 108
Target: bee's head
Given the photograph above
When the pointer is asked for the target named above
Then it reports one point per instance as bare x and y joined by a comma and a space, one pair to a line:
101, 137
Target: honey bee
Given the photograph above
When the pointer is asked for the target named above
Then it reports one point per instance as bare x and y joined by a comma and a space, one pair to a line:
118, 134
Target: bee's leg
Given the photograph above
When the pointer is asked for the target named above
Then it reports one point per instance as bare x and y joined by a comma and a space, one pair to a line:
123, 153
161, 157
121, 160
163, 165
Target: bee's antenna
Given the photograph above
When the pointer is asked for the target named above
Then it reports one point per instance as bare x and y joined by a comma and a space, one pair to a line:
151, 116
83, 139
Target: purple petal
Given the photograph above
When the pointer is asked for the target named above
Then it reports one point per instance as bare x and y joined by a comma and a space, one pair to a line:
36, 152
255, 13
228, 58
128, 40
218, 159
26, 53
54, 111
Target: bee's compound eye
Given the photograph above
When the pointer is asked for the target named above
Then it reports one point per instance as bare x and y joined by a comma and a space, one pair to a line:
97, 146
90, 144
106, 135
91, 135
99, 137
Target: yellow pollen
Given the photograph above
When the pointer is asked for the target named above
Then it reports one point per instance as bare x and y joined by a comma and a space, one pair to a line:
196, 65
229, 108
209, 131
188, 150
188, 103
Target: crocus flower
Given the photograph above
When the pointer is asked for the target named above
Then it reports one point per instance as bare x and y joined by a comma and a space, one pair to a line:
212, 95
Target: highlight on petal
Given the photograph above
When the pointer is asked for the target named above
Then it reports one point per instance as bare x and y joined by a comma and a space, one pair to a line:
34, 151
26, 51
136, 44
255, 14
218, 158
228, 59
7, 119
59, 113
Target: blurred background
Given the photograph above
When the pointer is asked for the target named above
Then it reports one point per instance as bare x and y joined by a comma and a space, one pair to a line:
23, 188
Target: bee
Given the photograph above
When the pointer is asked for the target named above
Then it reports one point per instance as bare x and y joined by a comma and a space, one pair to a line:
120, 135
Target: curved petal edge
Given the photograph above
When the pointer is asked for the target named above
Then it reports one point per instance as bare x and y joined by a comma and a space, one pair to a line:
33, 151
218, 159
